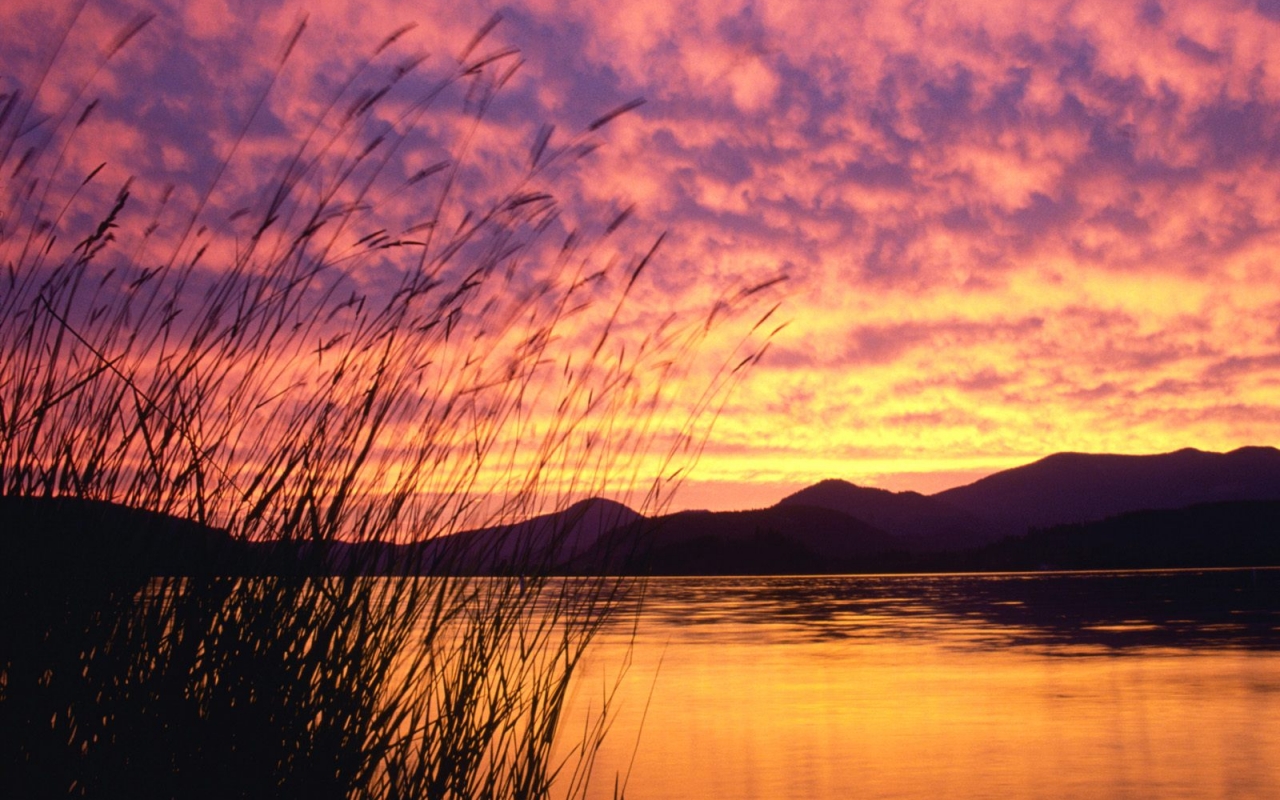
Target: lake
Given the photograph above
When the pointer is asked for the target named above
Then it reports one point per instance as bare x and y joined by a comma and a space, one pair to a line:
1098, 685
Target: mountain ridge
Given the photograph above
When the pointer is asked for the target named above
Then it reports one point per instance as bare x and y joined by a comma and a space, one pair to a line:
921, 521
833, 525
1066, 488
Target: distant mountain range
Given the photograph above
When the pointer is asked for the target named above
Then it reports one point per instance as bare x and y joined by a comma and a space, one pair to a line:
1070, 488
1069, 510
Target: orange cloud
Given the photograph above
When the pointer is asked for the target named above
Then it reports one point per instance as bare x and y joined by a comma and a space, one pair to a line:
1010, 228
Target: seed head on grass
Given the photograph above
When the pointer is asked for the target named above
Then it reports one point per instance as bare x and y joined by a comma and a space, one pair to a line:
373, 447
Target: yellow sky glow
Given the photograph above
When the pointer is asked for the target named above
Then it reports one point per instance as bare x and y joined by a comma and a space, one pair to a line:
1009, 229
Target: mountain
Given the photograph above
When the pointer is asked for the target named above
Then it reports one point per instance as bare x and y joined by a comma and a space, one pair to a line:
1074, 510
1230, 534
922, 523
788, 539
1071, 488
91, 539
538, 544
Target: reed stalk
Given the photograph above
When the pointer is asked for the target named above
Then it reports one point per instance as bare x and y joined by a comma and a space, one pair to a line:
244, 373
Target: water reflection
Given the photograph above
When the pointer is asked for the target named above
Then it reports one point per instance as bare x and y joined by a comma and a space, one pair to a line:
1119, 611
1085, 685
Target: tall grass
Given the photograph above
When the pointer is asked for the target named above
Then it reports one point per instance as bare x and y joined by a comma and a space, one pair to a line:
245, 372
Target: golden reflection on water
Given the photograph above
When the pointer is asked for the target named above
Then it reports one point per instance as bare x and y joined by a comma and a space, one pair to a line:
779, 690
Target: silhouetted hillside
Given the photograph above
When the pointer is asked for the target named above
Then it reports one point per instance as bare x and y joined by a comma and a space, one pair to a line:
540, 544
85, 539
1235, 534
782, 539
1074, 487
922, 523
1187, 508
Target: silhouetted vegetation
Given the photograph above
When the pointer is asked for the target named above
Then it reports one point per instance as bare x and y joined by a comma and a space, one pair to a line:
1239, 534
233, 371
792, 539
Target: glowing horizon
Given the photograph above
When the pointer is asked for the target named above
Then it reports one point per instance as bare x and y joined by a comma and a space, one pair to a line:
1009, 230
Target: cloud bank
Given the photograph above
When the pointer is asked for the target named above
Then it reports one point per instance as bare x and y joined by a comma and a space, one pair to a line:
1010, 229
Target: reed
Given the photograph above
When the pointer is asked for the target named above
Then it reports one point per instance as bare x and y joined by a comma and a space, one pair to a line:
241, 372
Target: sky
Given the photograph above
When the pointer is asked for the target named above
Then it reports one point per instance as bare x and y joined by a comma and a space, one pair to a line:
1008, 229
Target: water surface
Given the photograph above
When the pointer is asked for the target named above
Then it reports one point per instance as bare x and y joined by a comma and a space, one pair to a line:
1071, 685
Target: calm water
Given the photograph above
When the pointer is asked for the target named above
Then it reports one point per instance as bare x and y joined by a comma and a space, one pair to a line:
1086, 685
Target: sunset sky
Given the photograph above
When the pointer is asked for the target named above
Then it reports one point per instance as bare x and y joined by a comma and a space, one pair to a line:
1009, 228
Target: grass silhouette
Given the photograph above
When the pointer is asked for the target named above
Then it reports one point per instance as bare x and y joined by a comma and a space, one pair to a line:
236, 372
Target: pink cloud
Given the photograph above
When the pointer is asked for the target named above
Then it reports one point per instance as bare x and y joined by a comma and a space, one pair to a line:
931, 178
